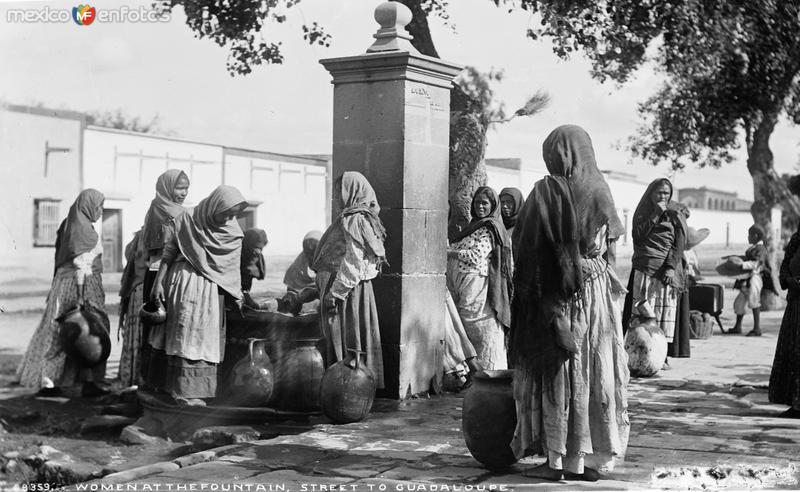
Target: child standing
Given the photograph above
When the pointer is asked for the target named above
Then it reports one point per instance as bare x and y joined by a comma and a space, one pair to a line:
750, 288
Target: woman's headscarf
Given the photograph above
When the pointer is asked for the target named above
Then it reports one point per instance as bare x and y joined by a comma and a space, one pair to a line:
557, 227
676, 213
252, 263
162, 209
296, 277
501, 267
76, 235
646, 207
314, 236
519, 201
213, 250
568, 152
358, 219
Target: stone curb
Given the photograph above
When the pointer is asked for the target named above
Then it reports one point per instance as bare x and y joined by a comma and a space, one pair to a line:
168, 466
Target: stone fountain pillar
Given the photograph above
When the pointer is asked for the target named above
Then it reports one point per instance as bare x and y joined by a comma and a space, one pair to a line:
391, 122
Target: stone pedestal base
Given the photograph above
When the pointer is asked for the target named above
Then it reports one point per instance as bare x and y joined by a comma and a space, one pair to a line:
411, 330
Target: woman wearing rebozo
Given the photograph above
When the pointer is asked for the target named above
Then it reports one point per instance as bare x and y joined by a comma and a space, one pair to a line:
566, 332
658, 276
201, 266
784, 380
479, 272
143, 258
349, 255
77, 279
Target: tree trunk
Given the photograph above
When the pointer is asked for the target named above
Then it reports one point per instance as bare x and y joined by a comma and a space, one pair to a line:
768, 187
467, 145
418, 28
767, 184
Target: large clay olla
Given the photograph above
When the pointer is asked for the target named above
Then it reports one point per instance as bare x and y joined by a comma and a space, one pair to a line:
252, 377
347, 392
83, 333
489, 418
299, 374
646, 346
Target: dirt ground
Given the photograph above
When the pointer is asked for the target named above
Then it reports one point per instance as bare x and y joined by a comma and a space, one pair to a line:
36, 431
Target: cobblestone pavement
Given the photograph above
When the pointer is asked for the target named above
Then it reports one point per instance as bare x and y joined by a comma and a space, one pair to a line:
704, 424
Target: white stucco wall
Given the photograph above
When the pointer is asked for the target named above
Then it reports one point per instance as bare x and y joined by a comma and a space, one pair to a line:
24, 137
291, 191
125, 167
292, 197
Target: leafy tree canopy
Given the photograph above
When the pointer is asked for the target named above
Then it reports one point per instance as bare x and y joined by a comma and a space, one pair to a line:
731, 67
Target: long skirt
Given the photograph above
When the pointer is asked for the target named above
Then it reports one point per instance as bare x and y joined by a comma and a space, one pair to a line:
578, 416
784, 381
652, 298
457, 347
354, 326
130, 362
45, 363
191, 343
154, 362
469, 291
680, 347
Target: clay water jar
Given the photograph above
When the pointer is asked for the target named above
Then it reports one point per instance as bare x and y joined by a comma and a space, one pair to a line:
83, 336
646, 347
252, 377
489, 417
348, 390
298, 375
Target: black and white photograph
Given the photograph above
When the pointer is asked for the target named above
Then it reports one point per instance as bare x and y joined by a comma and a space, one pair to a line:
399, 245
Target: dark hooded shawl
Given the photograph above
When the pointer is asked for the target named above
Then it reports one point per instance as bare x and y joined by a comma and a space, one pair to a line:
659, 238
253, 265
76, 235
358, 220
163, 210
501, 268
296, 277
213, 250
556, 229
519, 201
133, 274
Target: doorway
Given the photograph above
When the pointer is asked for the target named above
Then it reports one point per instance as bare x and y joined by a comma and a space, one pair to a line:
112, 240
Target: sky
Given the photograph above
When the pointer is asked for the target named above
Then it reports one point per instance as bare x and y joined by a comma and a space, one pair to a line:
149, 69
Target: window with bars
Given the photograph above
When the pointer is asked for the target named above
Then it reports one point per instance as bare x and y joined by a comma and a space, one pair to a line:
46, 213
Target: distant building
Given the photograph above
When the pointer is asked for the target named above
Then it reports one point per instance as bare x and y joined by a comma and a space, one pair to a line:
40, 160
709, 199
49, 156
